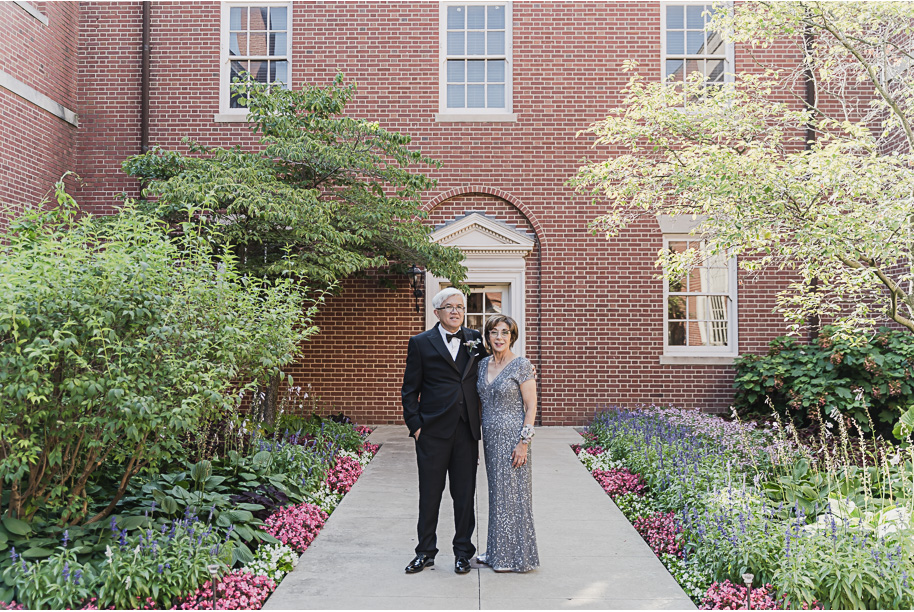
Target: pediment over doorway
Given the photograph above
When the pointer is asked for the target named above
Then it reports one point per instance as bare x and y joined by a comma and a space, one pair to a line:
478, 233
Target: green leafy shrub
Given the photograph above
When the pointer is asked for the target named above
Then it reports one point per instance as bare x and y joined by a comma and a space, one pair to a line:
807, 382
116, 340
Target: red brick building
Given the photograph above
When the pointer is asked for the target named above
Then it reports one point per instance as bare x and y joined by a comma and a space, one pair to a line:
497, 91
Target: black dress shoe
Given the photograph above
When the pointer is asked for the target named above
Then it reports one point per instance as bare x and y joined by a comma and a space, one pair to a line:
421, 562
462, 565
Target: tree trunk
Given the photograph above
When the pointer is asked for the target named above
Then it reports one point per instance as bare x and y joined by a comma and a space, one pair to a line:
269, 400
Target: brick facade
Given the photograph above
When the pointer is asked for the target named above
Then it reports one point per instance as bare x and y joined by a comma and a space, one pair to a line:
594, 309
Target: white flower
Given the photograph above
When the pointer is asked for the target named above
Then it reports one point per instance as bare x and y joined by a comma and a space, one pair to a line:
109, 554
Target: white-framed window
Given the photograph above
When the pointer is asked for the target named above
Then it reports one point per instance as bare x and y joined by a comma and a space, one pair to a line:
687, 45
700, 307
256, 44
475, 52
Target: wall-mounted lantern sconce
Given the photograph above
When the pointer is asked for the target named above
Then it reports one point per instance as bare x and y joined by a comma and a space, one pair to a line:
414, 273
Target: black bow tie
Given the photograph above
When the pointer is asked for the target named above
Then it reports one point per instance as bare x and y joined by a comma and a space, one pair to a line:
449, 337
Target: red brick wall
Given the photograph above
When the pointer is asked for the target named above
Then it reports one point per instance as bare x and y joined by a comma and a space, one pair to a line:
36, 147
602, 307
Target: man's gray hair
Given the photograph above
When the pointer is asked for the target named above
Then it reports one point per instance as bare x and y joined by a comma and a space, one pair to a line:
445, 294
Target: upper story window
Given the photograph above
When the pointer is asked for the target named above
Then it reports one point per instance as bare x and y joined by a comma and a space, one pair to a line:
687, 45
256, 44
476, 59
700, 318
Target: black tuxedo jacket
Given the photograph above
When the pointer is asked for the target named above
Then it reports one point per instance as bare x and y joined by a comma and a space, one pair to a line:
436, 389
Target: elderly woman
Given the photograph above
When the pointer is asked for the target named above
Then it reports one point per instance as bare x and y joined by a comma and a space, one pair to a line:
507, 391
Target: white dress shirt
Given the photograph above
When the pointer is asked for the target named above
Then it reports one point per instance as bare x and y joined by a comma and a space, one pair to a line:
453, 346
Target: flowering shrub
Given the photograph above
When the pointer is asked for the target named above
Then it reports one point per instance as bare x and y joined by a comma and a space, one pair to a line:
692, 577
599, 461
728, 596
11, 606
363, 430
368, 449
634, 505
296, 526
325, 499
661, 532
239, 590
273, 561
619, 482
344, 474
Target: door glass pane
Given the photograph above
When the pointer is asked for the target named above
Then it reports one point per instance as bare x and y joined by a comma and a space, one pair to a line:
493, 302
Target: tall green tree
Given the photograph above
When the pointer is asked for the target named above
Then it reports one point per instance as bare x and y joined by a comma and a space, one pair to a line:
822, 186
321, 196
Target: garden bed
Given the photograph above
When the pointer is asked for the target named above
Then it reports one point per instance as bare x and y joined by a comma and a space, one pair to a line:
240, 520
723, 503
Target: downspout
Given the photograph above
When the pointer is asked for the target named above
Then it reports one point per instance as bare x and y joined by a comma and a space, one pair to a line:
539, 316
814, 323
144, 84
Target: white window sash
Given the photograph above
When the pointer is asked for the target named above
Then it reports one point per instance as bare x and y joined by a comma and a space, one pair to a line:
226, 112
482, 113
717, 329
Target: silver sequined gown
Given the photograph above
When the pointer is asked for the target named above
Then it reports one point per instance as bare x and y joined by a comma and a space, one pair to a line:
511, 541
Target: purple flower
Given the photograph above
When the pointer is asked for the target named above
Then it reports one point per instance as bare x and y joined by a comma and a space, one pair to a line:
66, 537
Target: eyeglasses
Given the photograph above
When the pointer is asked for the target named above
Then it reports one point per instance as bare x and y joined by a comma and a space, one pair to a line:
504, 333
452, 308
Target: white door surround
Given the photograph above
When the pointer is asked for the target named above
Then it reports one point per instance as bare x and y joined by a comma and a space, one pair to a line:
495, 255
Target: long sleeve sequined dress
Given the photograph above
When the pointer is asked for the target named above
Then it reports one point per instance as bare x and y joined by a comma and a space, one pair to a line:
511, 542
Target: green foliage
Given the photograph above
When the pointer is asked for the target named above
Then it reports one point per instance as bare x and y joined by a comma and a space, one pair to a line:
115, 341
323, 197
835, 211
859, 378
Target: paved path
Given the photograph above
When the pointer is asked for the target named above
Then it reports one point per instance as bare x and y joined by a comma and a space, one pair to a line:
591, 556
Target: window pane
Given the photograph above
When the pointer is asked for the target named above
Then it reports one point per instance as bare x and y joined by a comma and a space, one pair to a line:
476, 96
279, 72
496, 71
677, 334
278, 18
694, 20
278, 44
474, 302
675, 43
496, 43
674, 68
455, 96
455, 43
455, 18
238, 44
696, 42
259, 72
238, 18
257, 45
476, 43
496, 96
476, 17
676, 308
475, 322
693, 66
237, 72
258, 18
455, 71
716, 71
674, 17
715, 44
476, 71
496, 18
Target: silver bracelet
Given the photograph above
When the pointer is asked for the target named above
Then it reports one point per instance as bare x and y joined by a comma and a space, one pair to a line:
526, 434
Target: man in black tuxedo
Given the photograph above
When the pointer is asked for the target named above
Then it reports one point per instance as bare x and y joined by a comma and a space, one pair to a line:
441, 409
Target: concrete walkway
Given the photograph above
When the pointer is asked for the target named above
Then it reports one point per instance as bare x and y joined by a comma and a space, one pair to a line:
591, 556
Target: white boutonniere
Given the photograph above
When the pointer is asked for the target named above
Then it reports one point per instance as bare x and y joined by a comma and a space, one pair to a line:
472, 344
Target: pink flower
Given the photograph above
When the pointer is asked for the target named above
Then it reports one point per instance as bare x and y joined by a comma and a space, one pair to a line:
619, 482
728, 596
661, 532
343, 475
296, 526
239, 590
